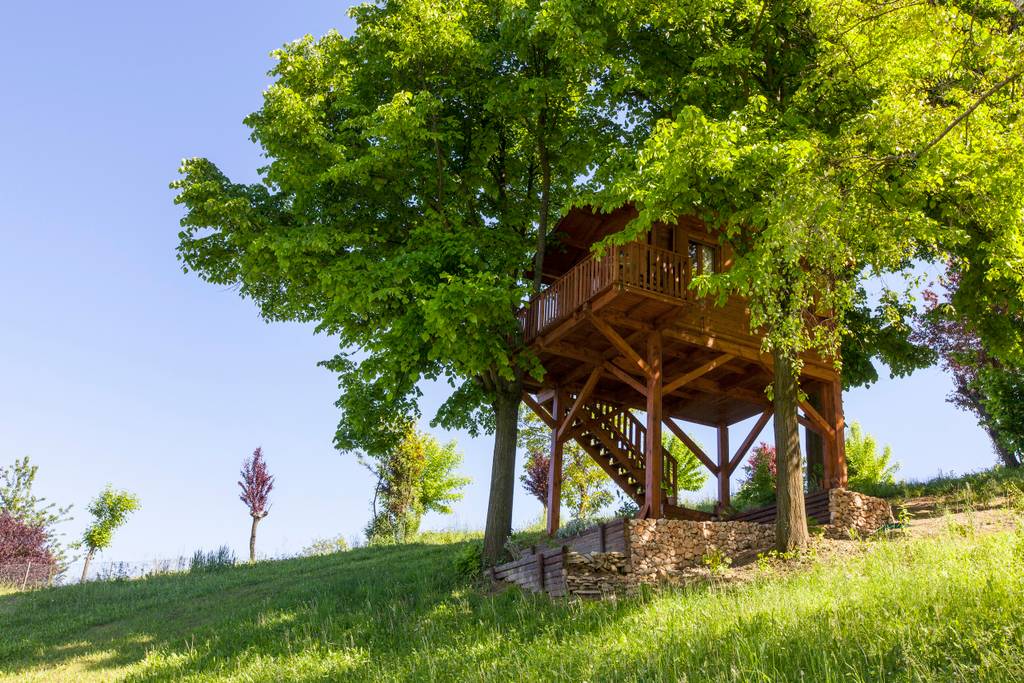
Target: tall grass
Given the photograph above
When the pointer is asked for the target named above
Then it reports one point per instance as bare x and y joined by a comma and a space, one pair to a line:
923, 610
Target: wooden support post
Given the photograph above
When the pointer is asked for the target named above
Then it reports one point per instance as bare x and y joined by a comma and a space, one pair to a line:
839, 420
815, 446
723, 467
653, 456
555, 467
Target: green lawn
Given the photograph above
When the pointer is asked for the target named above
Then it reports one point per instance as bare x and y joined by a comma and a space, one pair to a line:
943, 609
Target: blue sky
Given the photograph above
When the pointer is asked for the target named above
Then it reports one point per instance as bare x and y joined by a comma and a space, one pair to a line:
116, 367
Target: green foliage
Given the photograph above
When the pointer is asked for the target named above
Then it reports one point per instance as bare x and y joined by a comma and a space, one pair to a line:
690, 473
403, 613
469, 560
716, 561
325, 546
109, 510
410, 167
758, 486
416, 477
586, 489
865, 466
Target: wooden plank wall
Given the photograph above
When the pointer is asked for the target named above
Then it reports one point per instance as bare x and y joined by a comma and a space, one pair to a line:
816, 504
543, 569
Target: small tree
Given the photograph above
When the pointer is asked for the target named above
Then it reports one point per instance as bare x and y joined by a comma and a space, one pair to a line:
535, 476
585, 486
256, 485
109, 510
22, 542
415, 478
18, 500
983, 385
690, 473
865, 465
758, 486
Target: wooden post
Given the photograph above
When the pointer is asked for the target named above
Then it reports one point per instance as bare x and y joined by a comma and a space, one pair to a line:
839, 422
723, 467
814, 444
555, 467
653, 456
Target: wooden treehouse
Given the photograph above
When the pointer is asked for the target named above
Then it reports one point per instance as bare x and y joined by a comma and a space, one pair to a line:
630, 351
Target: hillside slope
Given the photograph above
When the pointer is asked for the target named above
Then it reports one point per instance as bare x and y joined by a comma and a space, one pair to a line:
938, 608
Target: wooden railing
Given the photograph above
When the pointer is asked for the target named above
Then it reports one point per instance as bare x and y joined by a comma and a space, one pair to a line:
634, 265
631, 438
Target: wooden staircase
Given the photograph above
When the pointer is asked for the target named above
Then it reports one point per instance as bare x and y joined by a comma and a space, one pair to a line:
617, 441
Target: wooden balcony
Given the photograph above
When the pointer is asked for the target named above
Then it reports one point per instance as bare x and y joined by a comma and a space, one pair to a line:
637, 267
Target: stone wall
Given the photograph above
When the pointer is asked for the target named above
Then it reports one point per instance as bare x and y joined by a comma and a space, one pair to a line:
660, 548
852, 510
667, 549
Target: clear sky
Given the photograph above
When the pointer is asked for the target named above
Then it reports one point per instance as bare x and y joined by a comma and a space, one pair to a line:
116, 367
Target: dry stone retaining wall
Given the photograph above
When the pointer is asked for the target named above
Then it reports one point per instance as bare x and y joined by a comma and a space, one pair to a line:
666, 549
852, 510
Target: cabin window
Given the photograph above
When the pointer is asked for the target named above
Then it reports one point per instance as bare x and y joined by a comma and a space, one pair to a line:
703, 258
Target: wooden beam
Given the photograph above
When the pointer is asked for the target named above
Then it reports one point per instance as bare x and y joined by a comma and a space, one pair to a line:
839, 474
691, 444
555, 469
817, 419
581, 398
653, 457
688, 377
723, 467
539, 410
749, 441
811, 368
621, 344
574, 353
625, 377
545, 396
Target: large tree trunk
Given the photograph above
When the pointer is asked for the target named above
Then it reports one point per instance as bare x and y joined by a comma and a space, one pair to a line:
791, 521
503, 470
88, 559
252, 539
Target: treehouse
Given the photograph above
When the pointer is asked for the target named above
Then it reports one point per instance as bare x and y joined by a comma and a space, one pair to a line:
631, 353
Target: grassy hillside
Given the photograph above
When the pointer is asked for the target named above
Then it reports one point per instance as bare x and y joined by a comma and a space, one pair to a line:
944, 608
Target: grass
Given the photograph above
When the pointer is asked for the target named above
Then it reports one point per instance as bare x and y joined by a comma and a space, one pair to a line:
984, 485
921, 610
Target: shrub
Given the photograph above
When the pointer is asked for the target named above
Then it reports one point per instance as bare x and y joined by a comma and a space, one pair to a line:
866, 468
469, 561
758, 486
628, 510
716, 561
214, 560
325, 546
22, 542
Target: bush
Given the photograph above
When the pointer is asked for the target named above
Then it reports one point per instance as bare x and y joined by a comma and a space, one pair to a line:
627, 510
22, 542
214, 560
469, 561
867, 468
325, 546
758, 486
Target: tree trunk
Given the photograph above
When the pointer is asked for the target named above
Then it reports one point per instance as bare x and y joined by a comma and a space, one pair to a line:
503, 470
88, 559
791, 521
252, 539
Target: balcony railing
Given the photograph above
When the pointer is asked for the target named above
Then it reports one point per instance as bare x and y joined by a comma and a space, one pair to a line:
637, 265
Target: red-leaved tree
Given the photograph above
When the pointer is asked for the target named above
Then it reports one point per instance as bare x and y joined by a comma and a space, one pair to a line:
982, 384
535, 476
25, 555
256, 485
